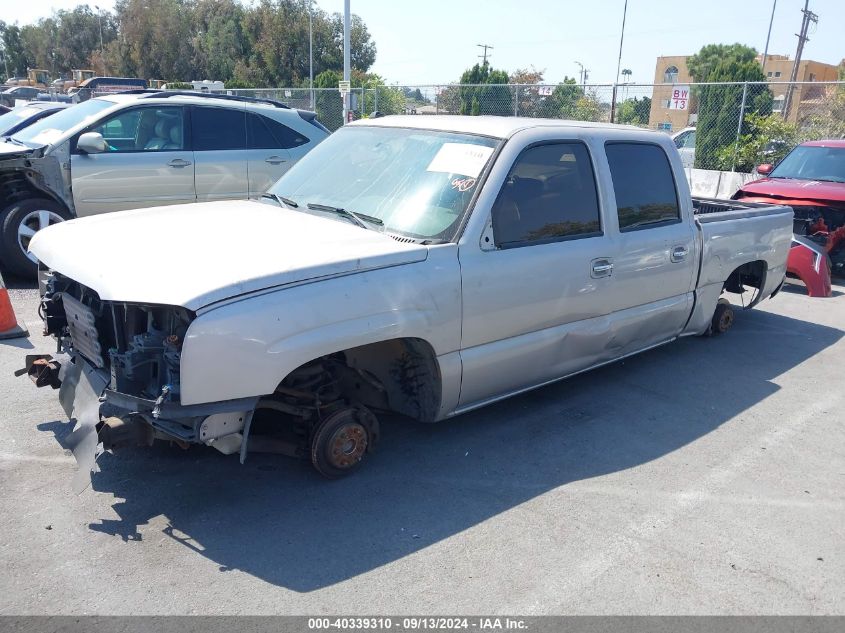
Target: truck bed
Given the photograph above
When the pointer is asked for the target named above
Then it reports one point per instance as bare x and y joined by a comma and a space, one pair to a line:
708, 210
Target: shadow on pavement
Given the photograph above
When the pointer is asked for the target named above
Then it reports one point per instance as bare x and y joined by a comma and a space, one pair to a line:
276, 519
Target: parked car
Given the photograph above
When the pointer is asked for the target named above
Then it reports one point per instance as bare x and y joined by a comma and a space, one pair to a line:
811, 179
424, 266
18, 93
685, 142
17, 119
127, 151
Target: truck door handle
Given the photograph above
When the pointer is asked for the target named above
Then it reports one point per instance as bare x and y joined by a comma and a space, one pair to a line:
275, 160
178, 162
601, 268
679, 253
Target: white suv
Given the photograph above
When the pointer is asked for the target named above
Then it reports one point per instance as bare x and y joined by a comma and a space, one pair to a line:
143, 149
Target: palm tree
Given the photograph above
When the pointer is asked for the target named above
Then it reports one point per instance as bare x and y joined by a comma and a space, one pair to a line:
626, 73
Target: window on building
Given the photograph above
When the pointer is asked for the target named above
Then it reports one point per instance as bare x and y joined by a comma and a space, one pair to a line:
777, 104
769, 74
670, 75
777, 73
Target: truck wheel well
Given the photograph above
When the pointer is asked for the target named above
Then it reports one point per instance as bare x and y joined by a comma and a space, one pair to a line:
750, 274
397, 375
16, 186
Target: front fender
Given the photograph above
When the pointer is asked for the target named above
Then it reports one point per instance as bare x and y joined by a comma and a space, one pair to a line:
246, 348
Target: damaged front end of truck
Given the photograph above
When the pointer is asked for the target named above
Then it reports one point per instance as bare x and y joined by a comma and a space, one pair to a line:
117, 369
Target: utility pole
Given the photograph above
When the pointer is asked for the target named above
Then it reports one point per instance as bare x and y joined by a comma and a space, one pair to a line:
809, 16
311, 52
346, 61
485, 47
581, 73
100, 21
769, 36
618, 64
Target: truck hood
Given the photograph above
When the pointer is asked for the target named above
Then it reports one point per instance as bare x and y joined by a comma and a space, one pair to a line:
193, 255
793, 189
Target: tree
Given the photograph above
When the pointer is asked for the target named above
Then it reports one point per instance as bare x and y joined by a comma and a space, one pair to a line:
719, 106
767, 140
527, 76
561, 104
487, 92
634, 111
449, 99
78, 37
264, 43
14, 52
329, 104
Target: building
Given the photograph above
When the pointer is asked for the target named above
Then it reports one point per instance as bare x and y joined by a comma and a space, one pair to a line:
672, 114
779, 69
665, 115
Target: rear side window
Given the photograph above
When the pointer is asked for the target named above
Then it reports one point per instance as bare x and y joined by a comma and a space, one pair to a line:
218, 129
549, 195
644, 185
266, 133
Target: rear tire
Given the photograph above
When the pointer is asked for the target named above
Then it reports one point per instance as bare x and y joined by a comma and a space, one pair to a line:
723, 318
18, 224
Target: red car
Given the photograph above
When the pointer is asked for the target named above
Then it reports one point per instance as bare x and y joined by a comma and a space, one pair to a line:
810, 179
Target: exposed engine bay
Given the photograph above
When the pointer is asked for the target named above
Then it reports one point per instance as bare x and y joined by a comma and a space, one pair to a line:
118, 371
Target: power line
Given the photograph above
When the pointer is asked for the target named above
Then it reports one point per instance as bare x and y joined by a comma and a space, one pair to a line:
485, 47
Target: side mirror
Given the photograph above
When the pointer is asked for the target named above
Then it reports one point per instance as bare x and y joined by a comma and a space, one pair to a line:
92, 143
765, 169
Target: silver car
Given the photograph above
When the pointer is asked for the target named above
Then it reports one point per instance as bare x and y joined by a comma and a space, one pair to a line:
143, 149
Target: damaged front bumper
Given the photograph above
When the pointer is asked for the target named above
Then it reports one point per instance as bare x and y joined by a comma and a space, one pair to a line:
105, 419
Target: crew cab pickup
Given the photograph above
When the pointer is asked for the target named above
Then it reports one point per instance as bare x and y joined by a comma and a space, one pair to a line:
421, 266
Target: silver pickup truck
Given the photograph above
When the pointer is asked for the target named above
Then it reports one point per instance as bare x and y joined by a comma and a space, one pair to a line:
420, 266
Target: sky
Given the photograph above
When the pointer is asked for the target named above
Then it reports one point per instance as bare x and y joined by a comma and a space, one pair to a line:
424, 42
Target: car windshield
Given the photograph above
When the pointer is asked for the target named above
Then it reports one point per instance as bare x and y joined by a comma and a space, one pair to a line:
811, 162
15, 116
51, 128
418, 183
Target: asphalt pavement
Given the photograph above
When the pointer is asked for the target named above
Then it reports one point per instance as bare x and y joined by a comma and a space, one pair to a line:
703, 477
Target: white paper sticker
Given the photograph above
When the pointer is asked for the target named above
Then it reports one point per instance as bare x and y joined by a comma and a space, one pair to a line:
460, 158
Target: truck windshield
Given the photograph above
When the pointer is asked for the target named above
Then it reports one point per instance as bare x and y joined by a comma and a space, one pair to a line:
810, 162
417, 183
50, 129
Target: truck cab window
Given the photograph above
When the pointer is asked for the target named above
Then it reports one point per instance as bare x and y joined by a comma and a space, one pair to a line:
549, 195
643, 184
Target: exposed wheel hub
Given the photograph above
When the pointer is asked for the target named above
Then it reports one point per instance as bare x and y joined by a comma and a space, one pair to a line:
347, 445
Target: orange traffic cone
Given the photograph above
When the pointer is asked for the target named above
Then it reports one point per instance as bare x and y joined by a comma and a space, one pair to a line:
9, 327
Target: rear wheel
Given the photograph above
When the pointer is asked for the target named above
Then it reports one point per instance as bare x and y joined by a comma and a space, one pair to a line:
19, 222
723, 318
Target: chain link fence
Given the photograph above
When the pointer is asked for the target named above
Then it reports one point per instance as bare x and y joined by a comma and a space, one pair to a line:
729, 126
717, 126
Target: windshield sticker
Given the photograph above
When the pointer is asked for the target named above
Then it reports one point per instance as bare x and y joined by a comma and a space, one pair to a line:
463, 184
465, 159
